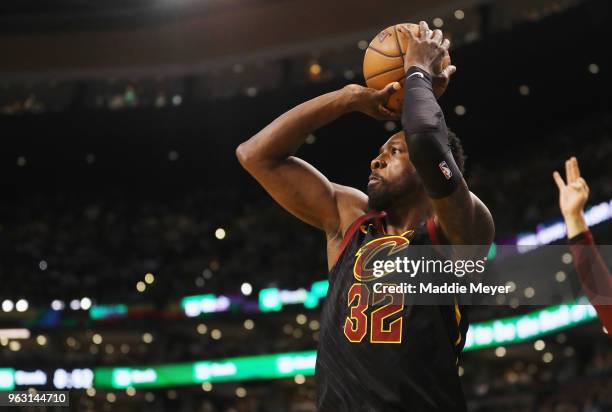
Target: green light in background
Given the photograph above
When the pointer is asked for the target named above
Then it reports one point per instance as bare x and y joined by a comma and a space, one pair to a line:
269, 300
521, 328
273, 299
7, 379
144, 377
492, 252
107, 311
480, 335
319, 289
223, 370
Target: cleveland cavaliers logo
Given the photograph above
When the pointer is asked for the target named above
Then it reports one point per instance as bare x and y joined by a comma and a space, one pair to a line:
378, 249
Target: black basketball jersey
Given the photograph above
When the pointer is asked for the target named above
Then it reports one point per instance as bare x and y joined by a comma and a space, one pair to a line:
379, 352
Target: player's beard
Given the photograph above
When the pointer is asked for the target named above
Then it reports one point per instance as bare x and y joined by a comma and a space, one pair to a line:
383, 195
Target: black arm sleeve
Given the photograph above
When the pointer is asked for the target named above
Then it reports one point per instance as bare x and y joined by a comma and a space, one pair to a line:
427, 136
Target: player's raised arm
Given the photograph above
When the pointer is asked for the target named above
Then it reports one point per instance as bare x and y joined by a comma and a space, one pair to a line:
295, 184
464, 219
592, 271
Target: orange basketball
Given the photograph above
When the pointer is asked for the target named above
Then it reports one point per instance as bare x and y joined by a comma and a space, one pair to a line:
383, 62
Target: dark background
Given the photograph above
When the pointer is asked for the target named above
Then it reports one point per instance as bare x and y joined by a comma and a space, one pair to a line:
105, 183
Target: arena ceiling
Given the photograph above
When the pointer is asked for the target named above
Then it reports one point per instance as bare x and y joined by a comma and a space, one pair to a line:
88, 35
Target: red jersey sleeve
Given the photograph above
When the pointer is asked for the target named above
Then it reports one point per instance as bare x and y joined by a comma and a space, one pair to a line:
594, 275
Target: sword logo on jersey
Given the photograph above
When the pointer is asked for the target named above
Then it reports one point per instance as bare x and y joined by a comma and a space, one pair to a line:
381, 248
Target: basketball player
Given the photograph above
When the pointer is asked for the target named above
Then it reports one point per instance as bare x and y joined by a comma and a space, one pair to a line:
593, 273
398, 357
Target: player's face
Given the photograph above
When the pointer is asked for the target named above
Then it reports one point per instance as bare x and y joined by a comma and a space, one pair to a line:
393, 176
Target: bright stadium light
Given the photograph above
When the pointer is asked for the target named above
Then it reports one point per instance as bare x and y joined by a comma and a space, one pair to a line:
246, 289
7, 305
21, 305
539, 345
14, 346
85, 303
17, 333
220, 233
249, 324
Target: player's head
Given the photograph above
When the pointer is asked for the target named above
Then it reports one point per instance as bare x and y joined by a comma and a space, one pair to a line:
394, 178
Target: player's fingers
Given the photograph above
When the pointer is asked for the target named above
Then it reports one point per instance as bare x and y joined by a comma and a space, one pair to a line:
575, 167
392, 87
385, 112
446, 44
583, 184
437, 36
388, 90
409, 32
558, 180
449, 71
424, 32
568, 172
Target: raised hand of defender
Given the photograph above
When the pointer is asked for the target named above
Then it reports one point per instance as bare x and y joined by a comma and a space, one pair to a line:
374, 102
574, 194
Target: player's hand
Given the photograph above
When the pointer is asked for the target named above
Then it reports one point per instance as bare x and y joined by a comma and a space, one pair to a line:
373, 102
573, 195
441, 80
427, 50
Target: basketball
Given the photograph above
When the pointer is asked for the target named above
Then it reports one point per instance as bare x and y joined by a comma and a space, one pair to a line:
383, 62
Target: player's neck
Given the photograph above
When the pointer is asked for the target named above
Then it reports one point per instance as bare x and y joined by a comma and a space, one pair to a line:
406, 215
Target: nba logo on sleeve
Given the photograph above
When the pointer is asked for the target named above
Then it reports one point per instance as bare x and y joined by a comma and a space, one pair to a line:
445, 170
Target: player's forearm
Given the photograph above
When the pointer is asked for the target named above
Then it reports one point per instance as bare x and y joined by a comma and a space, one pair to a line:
430, 153
576, 224
427, 136
283, 137
593, 274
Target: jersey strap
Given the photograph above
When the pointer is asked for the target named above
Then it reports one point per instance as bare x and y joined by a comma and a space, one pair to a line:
354, 227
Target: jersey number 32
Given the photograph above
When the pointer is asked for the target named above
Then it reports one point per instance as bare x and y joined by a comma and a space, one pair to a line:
383, 327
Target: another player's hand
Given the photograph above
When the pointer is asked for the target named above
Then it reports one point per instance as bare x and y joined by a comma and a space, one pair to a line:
427, 50
573, 195
373, 102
